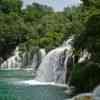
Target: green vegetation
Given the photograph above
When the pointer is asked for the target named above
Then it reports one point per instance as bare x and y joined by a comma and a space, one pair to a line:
39, 26
86, 76
36, 25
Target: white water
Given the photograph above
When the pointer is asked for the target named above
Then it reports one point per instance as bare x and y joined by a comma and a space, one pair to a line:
96, 93
35, 83
68, 43
37, 59
56, 63
52, 68
43, 53
16, 61
85, 55
12, 62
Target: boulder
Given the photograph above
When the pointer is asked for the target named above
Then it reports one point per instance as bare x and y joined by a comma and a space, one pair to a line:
85, 96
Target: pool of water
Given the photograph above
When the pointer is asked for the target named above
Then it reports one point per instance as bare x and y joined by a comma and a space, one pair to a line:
23, 73
11, 90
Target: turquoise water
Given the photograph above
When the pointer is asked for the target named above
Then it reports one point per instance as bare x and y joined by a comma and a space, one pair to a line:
16, 73
11, 91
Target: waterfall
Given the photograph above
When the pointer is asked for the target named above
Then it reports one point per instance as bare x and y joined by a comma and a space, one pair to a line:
12, 62
55, 68
68, 65
54, 64
85, 55
57, 65
37, 59
24, 60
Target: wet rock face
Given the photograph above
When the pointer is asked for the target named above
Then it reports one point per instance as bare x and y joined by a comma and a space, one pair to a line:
83, 98
87, 96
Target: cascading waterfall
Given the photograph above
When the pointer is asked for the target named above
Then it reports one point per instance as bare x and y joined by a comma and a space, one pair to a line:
85, 55
37, 59
25, 60
58, 63
53, 66
51, 69
12, 62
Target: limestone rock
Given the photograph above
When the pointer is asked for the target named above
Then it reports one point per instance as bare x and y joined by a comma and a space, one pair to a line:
85, 96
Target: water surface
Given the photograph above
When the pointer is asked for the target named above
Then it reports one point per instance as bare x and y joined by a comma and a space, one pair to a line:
11, 90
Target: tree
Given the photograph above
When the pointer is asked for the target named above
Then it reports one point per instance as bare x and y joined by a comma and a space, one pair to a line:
93, 3
35, 11
13, 31
51, 40
7, 6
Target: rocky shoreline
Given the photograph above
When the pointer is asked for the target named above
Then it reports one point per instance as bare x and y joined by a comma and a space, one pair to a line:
95, 95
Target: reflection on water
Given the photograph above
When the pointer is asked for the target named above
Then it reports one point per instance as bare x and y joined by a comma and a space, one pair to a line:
24, 91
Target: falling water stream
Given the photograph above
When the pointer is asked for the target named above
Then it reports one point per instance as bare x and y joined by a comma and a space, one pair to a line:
49, 82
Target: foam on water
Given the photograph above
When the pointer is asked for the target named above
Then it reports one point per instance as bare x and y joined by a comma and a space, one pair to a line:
35, 83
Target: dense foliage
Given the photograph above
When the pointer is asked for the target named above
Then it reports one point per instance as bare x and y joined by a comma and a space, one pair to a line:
36, 25
86, 76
